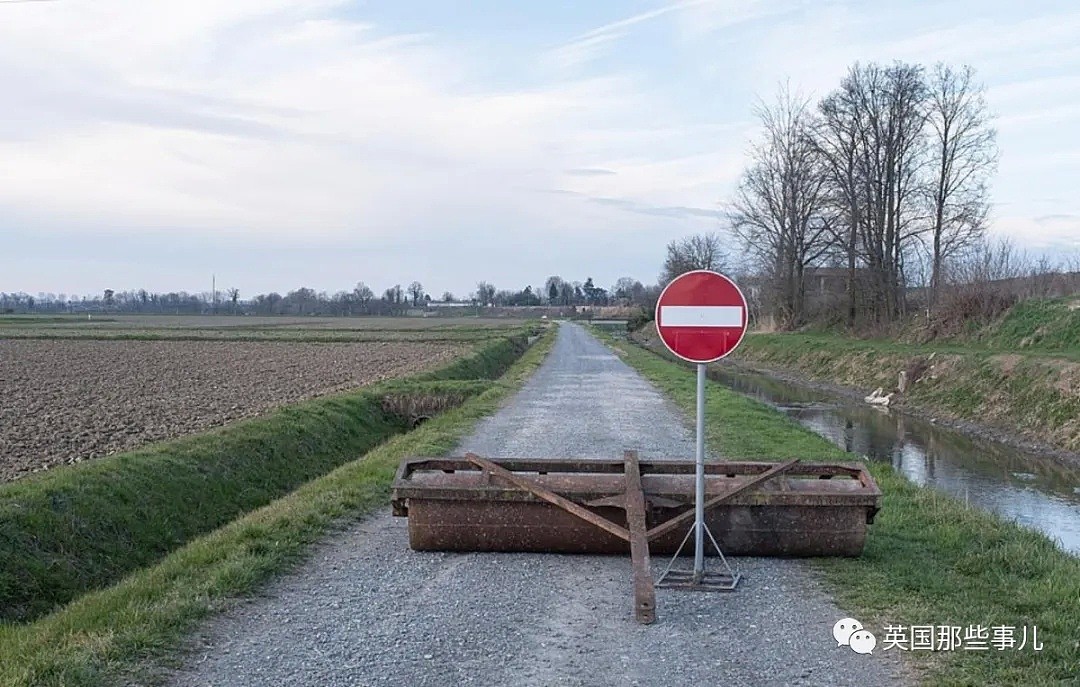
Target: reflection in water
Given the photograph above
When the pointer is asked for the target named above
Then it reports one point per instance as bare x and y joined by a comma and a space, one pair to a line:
983, 473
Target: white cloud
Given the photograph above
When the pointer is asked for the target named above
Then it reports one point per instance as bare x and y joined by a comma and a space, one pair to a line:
694, 18
702, 19
1028, 63
591, 44
1053, 234
290, 121
257, 117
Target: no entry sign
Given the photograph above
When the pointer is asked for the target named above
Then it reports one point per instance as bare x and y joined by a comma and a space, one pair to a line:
701, 316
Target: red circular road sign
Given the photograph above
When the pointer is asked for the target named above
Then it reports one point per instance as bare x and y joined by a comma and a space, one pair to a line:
701, 316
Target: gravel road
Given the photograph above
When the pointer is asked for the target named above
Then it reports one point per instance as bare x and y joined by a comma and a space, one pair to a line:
366, 610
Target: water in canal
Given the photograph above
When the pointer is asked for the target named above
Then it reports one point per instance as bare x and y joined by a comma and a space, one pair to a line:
984, 473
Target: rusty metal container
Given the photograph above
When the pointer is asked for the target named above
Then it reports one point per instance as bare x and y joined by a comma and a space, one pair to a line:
811, 509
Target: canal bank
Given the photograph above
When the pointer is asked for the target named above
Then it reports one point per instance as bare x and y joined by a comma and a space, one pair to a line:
930, 559
1023, 486
1024, 481
1029, 399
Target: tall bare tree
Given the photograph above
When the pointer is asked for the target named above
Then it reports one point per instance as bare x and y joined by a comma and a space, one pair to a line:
485, 293
698, 252
836, 138
393, 298
888, 114
552, 289
566, 293
964, 154
778, 211
416, 291
363, 295
628, 290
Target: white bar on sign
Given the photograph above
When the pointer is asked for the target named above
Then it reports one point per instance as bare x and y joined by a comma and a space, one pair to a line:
701, 316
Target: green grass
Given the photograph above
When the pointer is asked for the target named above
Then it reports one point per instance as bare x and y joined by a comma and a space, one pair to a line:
1038, 325
39, 319
929, 559
82, 527
124, 630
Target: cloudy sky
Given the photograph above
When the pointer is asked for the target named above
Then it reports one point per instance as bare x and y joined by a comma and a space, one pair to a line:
280, 143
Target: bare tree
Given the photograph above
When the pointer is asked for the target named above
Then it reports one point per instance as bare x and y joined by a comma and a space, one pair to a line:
987, 261
234, 297
778, 209
964, 154
984, 280
447, 297
302, 301
416, 291
885, 109
698, 252
626, 288
363, 295
485, 293
566, 293
393, 298
552, 289
837, 141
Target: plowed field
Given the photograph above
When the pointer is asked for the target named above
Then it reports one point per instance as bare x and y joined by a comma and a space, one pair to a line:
68, 401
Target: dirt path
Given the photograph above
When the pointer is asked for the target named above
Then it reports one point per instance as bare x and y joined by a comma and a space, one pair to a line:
366, 610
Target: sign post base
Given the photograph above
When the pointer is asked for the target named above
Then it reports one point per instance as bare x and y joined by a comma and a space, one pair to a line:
699, 579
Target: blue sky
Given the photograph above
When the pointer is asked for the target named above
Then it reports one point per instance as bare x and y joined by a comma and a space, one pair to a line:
280, 143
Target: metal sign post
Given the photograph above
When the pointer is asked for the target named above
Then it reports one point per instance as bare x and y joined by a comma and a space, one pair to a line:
701, 317
699, 480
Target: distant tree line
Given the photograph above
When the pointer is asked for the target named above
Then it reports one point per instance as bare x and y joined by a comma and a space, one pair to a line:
360, 300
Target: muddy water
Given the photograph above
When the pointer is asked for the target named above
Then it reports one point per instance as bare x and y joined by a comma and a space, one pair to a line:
984, 473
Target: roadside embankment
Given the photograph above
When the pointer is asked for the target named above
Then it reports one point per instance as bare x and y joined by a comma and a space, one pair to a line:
82, 527
929, 558
110, 635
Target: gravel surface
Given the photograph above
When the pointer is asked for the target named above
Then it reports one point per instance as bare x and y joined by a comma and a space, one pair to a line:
366, 610
68, 401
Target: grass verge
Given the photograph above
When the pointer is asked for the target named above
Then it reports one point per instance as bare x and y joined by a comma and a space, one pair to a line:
1039, 324
105, 635
929, 559
81, 527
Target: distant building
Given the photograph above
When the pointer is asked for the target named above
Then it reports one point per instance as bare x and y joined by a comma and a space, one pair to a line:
830, 281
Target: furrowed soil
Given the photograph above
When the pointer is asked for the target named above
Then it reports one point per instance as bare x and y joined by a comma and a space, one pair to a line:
69, 401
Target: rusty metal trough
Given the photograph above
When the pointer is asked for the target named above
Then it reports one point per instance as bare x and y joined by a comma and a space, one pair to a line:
610, 506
